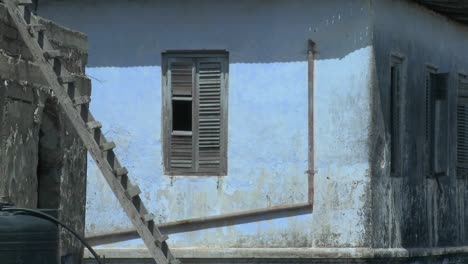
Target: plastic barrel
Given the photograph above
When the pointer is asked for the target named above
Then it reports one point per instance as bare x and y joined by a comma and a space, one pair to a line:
27, 239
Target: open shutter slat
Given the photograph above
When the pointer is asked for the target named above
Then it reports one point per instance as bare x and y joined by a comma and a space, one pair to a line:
181, 78
181, 152
209, 115
181, 142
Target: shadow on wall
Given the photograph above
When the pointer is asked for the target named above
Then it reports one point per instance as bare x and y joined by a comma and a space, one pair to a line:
129, 33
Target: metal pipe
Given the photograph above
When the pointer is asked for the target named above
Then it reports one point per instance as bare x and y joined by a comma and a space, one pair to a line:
193, 224
241, 217
310, 84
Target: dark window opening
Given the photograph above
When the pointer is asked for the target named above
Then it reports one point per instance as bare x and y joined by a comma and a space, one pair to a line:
181, 115
57, 67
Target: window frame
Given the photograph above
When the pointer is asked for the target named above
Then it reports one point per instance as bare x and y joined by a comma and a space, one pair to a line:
397, 61
429, 122
166, 113
437, 113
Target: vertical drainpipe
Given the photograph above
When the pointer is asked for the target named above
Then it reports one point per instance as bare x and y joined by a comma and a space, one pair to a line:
310, 68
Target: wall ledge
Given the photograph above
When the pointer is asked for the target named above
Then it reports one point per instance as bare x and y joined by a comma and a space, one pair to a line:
64, 36
279, 253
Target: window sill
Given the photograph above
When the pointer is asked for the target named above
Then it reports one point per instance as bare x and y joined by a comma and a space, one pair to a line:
181, 133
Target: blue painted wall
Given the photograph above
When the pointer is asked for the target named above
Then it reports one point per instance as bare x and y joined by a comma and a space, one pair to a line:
268, 120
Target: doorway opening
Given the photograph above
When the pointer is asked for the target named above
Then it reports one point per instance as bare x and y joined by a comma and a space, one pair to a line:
50, 163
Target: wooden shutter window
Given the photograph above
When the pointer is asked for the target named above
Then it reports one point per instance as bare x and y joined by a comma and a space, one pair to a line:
209, 114
181, 80
195, 113
462, 131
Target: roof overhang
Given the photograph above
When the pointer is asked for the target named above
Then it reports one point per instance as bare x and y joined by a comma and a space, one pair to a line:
454, 9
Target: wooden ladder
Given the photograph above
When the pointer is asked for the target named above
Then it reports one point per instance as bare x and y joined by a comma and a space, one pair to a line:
89, 130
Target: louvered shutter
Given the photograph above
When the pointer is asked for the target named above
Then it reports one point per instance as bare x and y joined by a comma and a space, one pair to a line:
181, 83
209, 114
195, 91
462, 131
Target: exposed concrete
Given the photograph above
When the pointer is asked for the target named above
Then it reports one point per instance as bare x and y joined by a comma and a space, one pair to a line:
18, 147
66, 37
16, 68
42, 161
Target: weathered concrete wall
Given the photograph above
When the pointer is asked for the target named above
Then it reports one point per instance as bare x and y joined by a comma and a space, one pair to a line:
19, 134
42, 161
267, 145
19, 145
411, 210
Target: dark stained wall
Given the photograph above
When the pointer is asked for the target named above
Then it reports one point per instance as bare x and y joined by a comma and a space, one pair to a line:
412, 210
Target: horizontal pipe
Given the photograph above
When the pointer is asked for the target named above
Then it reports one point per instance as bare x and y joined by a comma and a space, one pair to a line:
241, 217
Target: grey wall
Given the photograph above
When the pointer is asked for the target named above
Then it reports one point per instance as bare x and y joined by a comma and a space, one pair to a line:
411, 210
126, 33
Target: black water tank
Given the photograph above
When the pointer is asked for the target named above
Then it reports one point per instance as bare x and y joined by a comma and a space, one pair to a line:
27, 239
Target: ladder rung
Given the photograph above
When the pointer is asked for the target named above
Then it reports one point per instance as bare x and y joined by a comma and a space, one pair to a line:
108, 146
120, 171
162, 238
147, 217
93, 125
82, 100
37, 27
51, 54
66, 79
23, 2
133, 191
